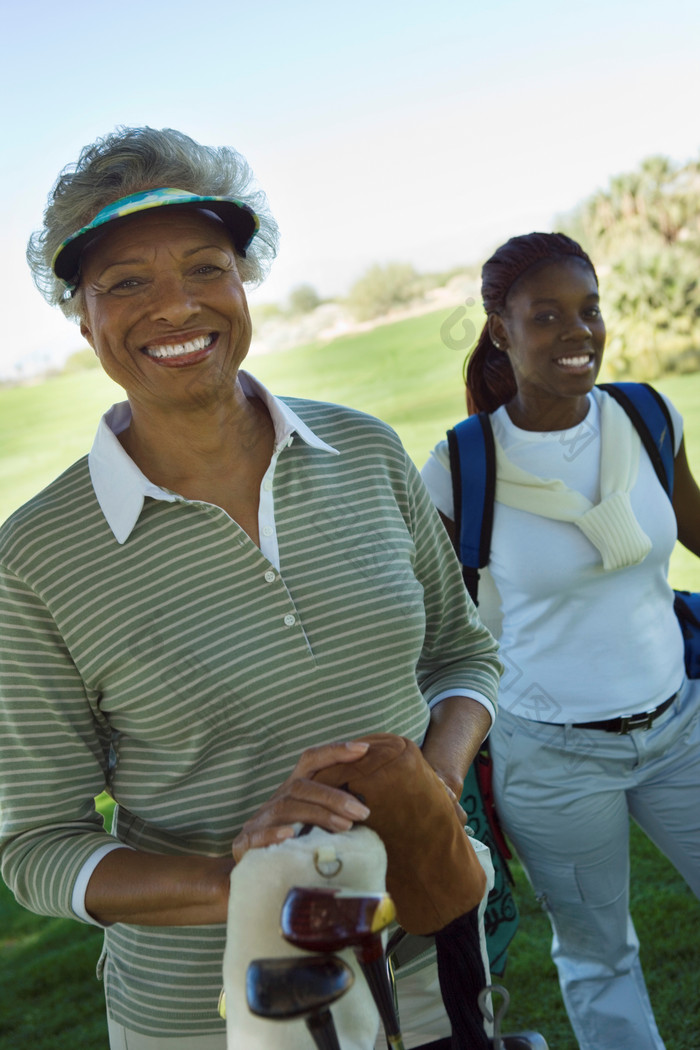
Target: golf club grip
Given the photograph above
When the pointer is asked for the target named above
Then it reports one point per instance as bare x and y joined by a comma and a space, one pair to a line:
322, 1029
378, 982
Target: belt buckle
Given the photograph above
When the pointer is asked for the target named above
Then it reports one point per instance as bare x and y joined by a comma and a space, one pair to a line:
629, 722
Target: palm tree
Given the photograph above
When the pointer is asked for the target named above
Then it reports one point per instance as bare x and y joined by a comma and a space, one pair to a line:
644, 233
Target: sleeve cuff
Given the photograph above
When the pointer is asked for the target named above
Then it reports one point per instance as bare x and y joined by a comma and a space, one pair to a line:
471, 694
81, 883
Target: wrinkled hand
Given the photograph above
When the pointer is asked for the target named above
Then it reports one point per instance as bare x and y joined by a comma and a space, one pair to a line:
301, 800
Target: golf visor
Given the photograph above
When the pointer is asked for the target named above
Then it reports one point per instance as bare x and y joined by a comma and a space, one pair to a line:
240, 220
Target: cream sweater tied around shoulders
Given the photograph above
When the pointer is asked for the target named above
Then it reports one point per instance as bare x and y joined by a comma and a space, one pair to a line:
610, 525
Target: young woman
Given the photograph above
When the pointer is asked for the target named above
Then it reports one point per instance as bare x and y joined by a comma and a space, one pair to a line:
577, 590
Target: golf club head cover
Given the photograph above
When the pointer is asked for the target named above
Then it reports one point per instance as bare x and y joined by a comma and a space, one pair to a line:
352, 860
433, 873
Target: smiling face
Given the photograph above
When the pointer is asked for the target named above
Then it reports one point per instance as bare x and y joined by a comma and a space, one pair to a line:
164, 308
553, 333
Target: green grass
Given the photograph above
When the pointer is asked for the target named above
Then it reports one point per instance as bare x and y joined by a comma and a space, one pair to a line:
407, 374
403, 373
44, 427
51, 997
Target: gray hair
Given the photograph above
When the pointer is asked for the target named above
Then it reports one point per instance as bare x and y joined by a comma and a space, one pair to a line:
131, 160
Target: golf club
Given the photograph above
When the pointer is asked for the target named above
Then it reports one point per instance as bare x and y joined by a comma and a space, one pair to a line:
284, 989
325, 920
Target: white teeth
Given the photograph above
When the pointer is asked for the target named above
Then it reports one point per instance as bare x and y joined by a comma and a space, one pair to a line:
575, 362
179, 349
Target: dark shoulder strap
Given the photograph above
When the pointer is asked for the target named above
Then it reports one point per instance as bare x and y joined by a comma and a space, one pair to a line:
650, 416
473, 468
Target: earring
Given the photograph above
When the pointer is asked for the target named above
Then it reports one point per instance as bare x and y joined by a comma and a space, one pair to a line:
496, 344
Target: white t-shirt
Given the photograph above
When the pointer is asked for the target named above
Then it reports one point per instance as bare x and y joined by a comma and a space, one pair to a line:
579, 644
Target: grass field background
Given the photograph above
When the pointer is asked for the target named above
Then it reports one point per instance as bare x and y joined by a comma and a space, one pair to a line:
406, 374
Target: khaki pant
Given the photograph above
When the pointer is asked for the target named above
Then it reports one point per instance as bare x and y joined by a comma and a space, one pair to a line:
124, 1039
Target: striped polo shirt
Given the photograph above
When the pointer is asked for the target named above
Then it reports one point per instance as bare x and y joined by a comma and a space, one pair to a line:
183, 670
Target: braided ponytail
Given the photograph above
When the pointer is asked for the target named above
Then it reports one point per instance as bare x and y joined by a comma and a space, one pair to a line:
488, 376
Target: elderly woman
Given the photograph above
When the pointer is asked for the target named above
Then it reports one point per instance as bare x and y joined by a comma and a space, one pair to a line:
227, 581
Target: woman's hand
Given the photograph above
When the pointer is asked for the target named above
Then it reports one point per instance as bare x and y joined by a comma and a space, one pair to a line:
301, 800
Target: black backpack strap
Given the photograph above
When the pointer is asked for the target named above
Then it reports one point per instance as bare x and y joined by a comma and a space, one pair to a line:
649, 413
473, 469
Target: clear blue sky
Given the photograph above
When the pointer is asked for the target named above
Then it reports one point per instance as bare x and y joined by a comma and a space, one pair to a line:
412, 131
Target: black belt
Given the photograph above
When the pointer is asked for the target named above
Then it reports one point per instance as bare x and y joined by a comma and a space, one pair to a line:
627, 722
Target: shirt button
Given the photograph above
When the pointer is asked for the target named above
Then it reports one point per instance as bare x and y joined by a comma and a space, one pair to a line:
267, 530
270, 576
289, 620
267, 485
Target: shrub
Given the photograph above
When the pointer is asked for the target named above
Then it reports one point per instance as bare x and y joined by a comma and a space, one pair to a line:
303, 299
382, 288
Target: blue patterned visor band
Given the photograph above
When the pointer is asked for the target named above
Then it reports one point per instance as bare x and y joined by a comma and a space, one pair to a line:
240, 220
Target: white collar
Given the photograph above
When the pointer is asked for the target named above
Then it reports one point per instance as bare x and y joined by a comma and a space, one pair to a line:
121, 488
